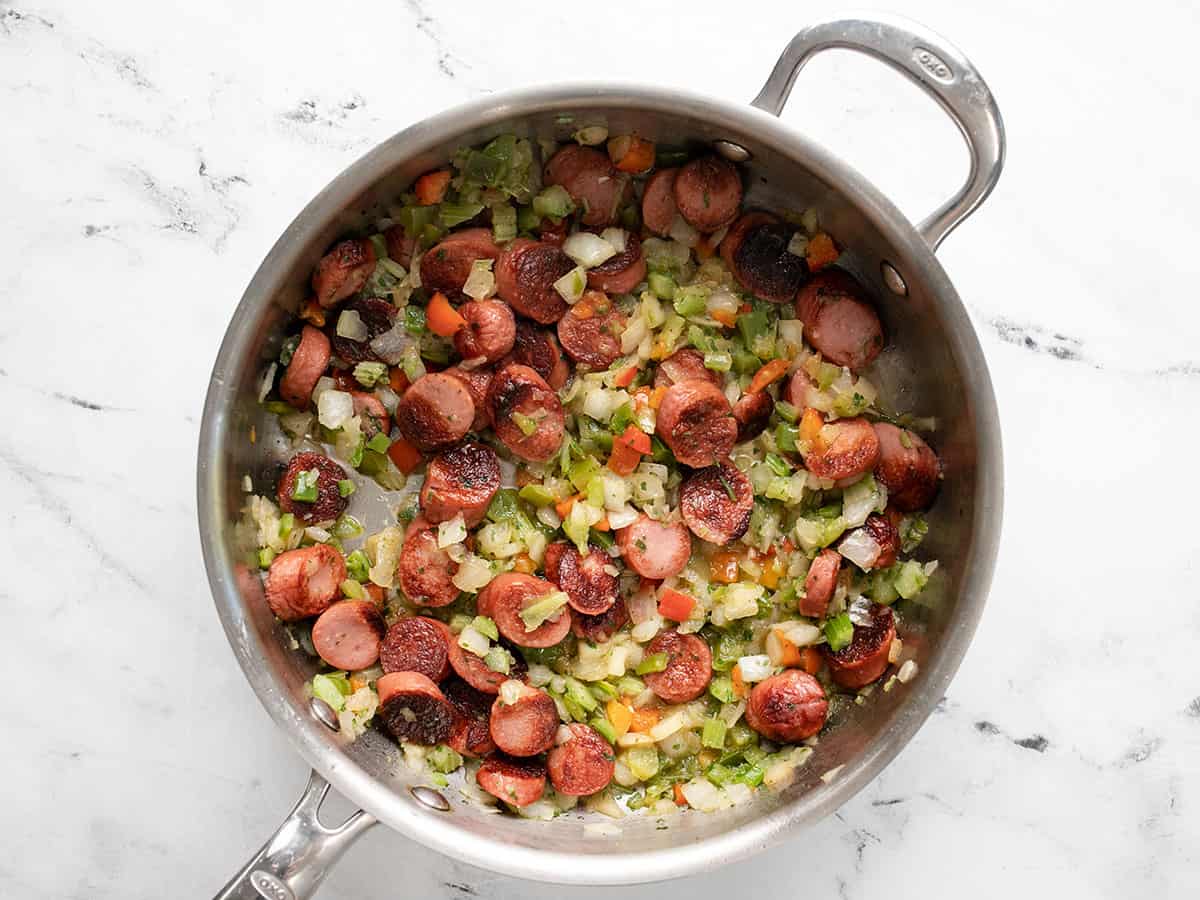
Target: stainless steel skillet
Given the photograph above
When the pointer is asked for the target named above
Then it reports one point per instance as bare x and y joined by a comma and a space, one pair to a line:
933, 365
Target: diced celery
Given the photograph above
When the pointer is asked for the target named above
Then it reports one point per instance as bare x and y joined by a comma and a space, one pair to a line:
369, 374
839, 631
553, 202
528, 219
578, 692
542, 609
851, 404
266, 556
719, 774
504, 223
537, 494
911, 579
304, 488
347, 527
787, 412
629, 686
655, 662
713, 735
486, 626
288, 520
379, 443
718, 361
574, 710
691, 300
503, 507
414, 219
352, 590
778, 464
443, 759
498, 660
741, 735
642, 762
753, 325
414, 319
581, 472
346, 487
527, 425
621, 419
333, 688
602, 539
785, 437
604, 728
602, 691
729, 650
452, 214
358, 566
662, 285
745, 362
721, 688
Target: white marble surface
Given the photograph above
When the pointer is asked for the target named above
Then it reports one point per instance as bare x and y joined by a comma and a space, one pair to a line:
152, 153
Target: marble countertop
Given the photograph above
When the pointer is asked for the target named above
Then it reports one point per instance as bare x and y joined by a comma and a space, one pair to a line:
154, 151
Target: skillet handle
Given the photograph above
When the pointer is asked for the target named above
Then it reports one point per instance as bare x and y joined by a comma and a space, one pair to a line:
294, 862
935, 65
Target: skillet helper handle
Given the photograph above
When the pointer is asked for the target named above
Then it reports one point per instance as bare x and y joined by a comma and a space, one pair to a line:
937, 67
294, 862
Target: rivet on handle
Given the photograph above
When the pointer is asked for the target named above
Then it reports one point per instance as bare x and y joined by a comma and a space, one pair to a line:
430, 798
325, 714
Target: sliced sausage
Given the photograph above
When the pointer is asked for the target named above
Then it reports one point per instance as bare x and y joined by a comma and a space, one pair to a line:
526, 726
620, 274
417, 644
435, 411
590, 331
329, 503
716, 503
838, 321
377, 315
682, 365
518, 390
475, 672
848, 448
414, 709
885, 535
752, 413
695, 421
537, 348
787, 707
820, 583
907, 466
866, 656
583, 764
347, 635
708, 192
591, 589
446, 265
689, 667
304, 582
800, 390
756, 252
525, 277
595, 185
426, 572
476, 382
372, 414
400, 246
507, 595
307, 365
658, 201
343, 271
462, 479
490, 331
472, 734
518, 782
653, 549
600, 629
551, 233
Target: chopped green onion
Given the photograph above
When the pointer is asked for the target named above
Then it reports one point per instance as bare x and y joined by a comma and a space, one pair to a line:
443, 759
353, 590
498, 660
537, 494
347, 527
414, 319
655, 662
741, 735
527, 425
369, 374
265, 557
718, 362
752, 776
542, 609
486, 626
358, 566
553, 202
785, 437
346, 487
504, 223
778, 464
713, 735
604, 728
839, 631
787, 412
379, 443
453, 214
662, 285
305, 487
721, 688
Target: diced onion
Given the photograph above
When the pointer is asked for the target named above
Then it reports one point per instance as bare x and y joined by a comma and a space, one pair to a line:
908, 671
682, 232
268, 382
481, 282
334, 408
540, 675
452, 531
860, 548
801, 634
600, 403
320, 535
616, 237
635, 739
618, 661
755, 668
587, 249
473, 641
791, 331
722, 300
570, 287
387, 554
741, 600
798, 245
351, 326
511, 691
702, 794
591, 135
550, 518
642, 606
390, 345
666, 727
622, 517
634, 332
647, 630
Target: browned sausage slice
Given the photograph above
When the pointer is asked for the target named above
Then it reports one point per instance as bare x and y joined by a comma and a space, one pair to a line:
435, 411
525, 277
800, 389
426, 572
682, 365
787, 707
518, 782
462, 479
304, 582
907, 466
474, 671
762, 263
446, 265
526, 414
621, 273
308, 364
343, 271
490, 331
600, 629
538, 349
716, 503
526, 726
372, 414
472, 734
400, 246
884, 533
695, 421
507, 595
848, 448
689, 667
413, 709
655, 550
417, 644
820, 583
476, 382
582, 765
377, 315
737, 232
753, 413
658, 201
866, 656
708, 192
347, 635
838, 321
329, 503
591, 589
591, 331
595, 185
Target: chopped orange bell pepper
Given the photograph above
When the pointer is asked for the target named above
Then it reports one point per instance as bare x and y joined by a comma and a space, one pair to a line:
680, 800
675, 605
790, 658
524, 563
313, 313
628, 449
630, 153
725, 317
619, 716
603, 525
771, 573
772, 371
821, 251
723, 567
811, 424
398, 380
563, 507
441, 317
431, 187
739, 685
644, 719
810, 660
626, 377
404, 455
